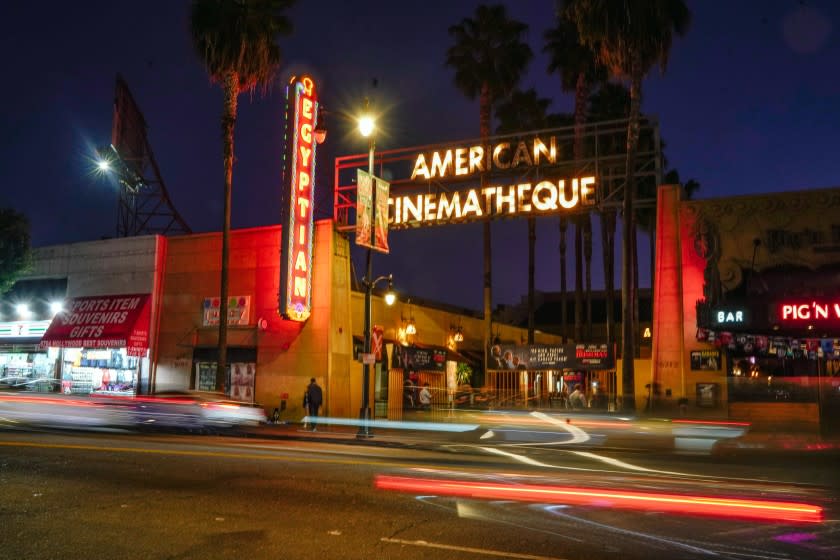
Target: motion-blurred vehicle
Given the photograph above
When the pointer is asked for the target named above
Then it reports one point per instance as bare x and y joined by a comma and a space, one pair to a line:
190, 410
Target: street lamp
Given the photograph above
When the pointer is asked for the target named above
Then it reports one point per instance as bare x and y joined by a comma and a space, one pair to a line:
367, 125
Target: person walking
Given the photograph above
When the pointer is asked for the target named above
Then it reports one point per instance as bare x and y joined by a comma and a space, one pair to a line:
314, 398
426, 397
577, 399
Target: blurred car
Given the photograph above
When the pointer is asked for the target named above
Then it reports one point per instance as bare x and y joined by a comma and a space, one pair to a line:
188, 410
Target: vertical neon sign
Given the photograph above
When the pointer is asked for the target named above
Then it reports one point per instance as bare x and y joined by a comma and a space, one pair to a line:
299, 170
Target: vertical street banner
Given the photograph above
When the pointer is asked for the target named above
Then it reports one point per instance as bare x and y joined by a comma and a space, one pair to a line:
380, 242
364, 208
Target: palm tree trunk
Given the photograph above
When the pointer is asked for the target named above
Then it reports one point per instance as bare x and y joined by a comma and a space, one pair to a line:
484, 106
587, 256
635, 249
231, 95
628, 291
581, 95
608, 253
564, 299
532, 242
578, 279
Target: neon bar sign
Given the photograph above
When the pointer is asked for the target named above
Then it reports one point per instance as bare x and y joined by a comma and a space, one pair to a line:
813, 312
296, 287
494, 201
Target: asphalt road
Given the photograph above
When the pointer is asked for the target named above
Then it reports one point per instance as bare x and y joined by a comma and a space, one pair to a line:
115, 495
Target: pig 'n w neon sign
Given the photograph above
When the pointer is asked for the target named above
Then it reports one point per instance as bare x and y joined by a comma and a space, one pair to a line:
299, 180
814, 313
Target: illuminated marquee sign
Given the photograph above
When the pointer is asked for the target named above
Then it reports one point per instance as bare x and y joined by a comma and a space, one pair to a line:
817, 313
299, 173
463, 162
494, 201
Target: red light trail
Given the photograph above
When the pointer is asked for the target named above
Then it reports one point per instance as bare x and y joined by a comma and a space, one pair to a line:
765, 510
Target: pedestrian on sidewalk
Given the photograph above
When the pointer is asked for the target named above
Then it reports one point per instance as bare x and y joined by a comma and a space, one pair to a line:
426, 397
314, 397
577, 400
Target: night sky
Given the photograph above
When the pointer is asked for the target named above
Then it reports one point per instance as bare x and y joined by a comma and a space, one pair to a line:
750, 103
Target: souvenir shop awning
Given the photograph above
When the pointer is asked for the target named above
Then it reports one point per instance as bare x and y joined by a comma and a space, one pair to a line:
116, 321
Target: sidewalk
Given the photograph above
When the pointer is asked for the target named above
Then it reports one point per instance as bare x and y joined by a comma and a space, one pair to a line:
350, 435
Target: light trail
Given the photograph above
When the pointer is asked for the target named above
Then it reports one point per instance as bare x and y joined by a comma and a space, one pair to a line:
393, 425
764, 510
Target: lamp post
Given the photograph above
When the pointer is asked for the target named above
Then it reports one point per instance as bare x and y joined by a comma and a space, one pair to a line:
364, 413
366, 129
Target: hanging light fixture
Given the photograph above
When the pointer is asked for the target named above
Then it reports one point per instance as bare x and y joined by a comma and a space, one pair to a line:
410, 327
459, 335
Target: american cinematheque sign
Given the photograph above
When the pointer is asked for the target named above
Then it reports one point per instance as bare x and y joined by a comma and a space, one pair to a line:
550, 357
548, 195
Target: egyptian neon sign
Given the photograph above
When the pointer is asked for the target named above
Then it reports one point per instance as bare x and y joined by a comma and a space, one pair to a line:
296, 265
466, 161
810, 312
544, 197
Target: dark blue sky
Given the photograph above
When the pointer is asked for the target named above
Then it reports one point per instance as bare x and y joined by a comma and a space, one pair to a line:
750, 103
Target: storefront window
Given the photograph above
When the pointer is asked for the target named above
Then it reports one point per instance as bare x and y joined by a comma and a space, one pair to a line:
773, 379
99, 371
28, 371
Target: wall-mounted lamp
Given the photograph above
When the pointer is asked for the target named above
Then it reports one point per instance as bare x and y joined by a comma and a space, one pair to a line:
459, 335
320, 131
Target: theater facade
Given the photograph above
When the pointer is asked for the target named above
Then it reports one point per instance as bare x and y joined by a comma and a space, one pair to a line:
747, 306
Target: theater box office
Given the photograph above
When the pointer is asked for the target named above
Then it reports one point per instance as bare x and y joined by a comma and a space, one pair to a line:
748, 303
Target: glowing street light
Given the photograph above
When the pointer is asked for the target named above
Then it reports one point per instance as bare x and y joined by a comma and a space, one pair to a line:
366, 125
56, 307
23, 310
390, 295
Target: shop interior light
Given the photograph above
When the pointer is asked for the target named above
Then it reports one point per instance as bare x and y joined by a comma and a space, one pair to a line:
23, 310
56, 307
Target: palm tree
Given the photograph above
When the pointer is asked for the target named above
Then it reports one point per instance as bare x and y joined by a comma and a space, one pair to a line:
15, 251
235, 40
521, 112
489, 58
579, 69
609, 102
631, 37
